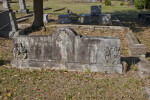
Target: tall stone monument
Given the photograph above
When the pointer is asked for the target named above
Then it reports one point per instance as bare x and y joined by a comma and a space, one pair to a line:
22, 5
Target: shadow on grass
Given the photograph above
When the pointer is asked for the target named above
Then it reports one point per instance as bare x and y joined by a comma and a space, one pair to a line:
3, 62
129, 18
131, 61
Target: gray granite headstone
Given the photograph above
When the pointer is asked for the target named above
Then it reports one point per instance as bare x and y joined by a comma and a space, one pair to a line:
84, 18
6, 4
106, 19
95, 10
64, 19
45, 18
66, 49
22, 5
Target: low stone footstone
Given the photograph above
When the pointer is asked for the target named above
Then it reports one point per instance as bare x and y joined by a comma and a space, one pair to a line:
84, 18
46, 8
6, 5
95, 10
8, 24
92, 0
22, 5
68, 18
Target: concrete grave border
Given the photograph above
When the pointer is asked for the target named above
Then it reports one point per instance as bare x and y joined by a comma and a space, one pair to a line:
136, 48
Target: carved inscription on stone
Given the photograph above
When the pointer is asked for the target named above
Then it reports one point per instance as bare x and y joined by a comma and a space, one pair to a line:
19, 51
111, 53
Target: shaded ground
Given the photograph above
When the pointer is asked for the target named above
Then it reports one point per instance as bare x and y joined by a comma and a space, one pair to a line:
59, 85
139, 28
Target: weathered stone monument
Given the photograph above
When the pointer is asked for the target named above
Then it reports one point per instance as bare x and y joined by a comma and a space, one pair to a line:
45, 18
65, 49
6, 5
95, 10
67, 18
8, 24
22, 5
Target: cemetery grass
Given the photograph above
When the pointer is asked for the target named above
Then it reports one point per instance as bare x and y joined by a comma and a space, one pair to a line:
16, 84
63, 85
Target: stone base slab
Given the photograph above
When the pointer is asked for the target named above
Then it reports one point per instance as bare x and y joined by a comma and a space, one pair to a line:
23, 11
81, 67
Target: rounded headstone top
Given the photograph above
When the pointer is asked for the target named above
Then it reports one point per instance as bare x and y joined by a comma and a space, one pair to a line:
67, 30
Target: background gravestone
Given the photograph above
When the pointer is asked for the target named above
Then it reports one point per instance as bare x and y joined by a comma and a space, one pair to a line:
106, 19
8, 24
92, 0
45, 18
22, 5
95, 10
6, 4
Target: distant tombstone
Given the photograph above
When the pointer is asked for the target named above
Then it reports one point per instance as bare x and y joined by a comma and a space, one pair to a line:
8, 24
106, 19
22, 5
46, 8
68, 18
6, 4
95, 10
65, 49
92, 0
95, 19
84, 18
45, 18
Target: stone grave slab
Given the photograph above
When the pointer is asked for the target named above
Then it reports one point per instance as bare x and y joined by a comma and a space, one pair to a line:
6, 5
95, 10
92, 0
65, 49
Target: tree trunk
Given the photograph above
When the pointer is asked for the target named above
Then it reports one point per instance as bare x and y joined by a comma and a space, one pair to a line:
38, 14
